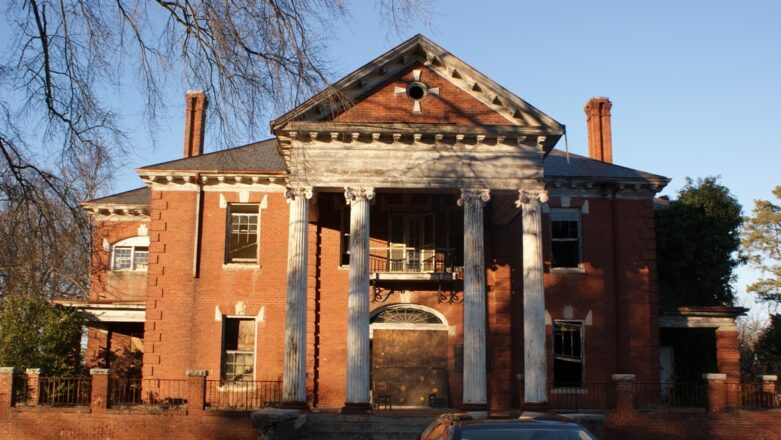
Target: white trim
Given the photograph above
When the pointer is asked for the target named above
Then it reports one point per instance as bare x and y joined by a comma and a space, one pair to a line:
140, 241
406, 326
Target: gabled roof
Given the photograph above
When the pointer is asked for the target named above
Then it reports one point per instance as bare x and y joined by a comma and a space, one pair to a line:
556, 165
138, 196
257, 156
416, 50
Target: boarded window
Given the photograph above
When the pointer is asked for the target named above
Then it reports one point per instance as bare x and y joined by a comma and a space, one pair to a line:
244, 227
568, 354
238, 349
565, 238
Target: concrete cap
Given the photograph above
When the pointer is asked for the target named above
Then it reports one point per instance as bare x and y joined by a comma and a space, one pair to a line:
714, 376
623, 377
99, 371
768, 377
8, 370
196, 373
34, 371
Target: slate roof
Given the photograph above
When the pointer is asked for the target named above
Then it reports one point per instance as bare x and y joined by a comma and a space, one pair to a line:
138, 196
582, 167
257, 156
263, 156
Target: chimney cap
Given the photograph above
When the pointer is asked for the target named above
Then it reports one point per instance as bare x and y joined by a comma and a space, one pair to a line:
195, 92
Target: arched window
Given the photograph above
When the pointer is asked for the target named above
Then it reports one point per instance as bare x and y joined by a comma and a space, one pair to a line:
130, 254
406, 315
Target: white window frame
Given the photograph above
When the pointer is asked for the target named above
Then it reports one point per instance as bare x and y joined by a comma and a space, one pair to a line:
582, 326
224, 383
229, 231
579, 217
134, 244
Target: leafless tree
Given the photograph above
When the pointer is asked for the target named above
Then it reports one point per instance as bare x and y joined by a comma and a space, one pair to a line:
61, 129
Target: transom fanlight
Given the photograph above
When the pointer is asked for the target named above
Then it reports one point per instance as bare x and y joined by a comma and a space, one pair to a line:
406, 315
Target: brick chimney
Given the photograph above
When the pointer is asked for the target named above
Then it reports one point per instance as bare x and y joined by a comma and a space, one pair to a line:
600, 143
194, 117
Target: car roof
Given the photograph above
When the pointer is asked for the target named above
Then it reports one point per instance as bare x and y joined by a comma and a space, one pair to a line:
538, 420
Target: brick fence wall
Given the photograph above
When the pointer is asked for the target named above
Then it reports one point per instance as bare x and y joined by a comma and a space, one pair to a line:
97, 420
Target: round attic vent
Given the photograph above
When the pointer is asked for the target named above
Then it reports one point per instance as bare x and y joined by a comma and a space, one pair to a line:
416, 90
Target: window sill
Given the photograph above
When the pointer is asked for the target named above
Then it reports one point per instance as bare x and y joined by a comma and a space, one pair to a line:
129, 271
343, 267
241, 266
567, 270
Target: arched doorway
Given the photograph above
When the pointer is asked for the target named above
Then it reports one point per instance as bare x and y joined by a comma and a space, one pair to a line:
409, 354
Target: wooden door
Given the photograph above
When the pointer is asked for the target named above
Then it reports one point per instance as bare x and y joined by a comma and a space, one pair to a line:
410, 364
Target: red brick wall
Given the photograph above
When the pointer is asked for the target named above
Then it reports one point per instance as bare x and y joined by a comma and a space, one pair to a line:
43, 424
114, 286
182, 333
452, 105
726, 426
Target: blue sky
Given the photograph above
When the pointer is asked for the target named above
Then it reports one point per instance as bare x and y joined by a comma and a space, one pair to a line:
695, 84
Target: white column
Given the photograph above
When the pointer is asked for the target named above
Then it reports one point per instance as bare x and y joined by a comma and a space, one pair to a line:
535, 360
474, 297
294, 374
358, 355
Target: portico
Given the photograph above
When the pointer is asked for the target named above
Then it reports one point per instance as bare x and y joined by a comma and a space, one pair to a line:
444, 128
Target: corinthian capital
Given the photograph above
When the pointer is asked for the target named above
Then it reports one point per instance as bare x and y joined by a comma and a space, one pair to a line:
474, 195
298, 192
352, 194
526, 196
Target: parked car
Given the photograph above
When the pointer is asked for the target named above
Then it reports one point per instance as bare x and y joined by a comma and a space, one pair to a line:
543, 427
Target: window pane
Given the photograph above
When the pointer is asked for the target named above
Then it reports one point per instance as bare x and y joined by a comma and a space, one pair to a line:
243, 244
565, 254
568, 354
238, 346
140, 258
122, 258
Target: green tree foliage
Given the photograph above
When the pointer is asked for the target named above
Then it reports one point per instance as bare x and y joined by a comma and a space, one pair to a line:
768, 348
698, 244
35, 333
762, 243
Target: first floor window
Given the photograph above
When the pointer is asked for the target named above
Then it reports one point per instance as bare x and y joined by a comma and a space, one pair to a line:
243, 229
238, 357
130, 254
565, 238
568, 354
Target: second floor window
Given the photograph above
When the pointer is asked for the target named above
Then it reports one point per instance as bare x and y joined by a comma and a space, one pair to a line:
243, 233
565, 238
130, 254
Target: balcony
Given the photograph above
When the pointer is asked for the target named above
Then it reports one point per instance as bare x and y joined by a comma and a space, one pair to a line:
413, 264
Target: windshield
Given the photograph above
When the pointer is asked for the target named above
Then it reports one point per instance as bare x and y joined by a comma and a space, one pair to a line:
517, 433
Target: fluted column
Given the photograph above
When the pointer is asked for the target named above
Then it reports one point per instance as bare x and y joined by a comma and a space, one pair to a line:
535, 360
475, 396
358, 355
294, 374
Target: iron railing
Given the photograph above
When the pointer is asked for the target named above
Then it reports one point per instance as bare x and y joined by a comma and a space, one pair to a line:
592, 396
670, 395
754, 395
165, 393
403, 259
243, 395
64, 391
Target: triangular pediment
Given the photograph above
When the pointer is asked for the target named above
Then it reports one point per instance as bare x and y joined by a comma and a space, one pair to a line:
454, 93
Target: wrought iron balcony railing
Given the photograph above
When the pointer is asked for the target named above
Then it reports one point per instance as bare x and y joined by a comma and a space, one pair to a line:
403, 259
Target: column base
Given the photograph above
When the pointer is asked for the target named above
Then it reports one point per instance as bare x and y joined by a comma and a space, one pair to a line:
293, 404
356, 408
536, 406
469, 407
